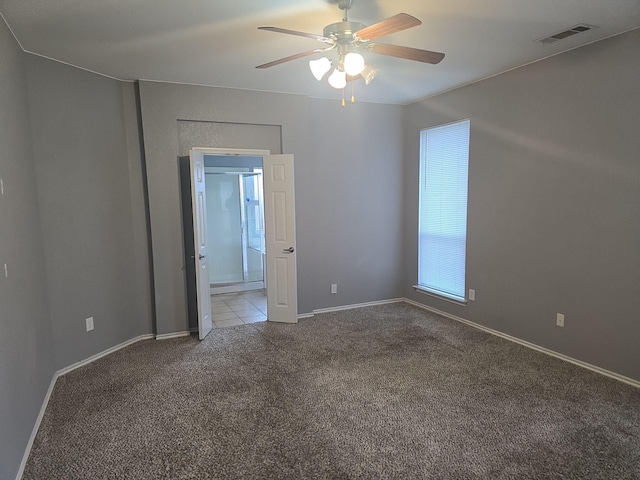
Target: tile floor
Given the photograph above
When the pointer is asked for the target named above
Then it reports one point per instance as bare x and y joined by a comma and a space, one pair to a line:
231, 309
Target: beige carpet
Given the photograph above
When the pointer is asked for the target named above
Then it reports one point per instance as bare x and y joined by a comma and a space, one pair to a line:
380, 392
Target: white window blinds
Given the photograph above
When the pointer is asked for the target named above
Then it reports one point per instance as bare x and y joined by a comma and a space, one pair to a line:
442, 230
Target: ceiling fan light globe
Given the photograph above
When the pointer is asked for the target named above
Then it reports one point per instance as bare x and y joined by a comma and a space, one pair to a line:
368, 74
338, 79
320, 67
353, 63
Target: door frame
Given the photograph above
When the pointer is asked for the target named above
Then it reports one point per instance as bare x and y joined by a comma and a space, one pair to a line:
236, 152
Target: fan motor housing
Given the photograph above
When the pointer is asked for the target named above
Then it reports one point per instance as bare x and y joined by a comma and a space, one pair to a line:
342, 32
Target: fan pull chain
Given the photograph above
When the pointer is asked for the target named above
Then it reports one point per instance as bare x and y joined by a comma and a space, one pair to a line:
343, 102
353, 98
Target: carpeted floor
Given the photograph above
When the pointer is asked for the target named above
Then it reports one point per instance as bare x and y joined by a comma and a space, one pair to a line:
382, 392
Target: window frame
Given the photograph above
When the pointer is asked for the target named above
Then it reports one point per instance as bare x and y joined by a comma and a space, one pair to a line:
422, 187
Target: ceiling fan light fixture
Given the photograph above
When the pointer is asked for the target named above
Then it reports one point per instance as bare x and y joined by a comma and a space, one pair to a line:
353, 63
338, 79
345, 38
320, 67
368, 74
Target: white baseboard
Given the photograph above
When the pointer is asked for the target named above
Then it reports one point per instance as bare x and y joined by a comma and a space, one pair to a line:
305, 315
357, 305
54, 379
533, 346
104, 353
167, 336
36, 426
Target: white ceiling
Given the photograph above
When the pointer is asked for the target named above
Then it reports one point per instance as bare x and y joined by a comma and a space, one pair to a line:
214, 42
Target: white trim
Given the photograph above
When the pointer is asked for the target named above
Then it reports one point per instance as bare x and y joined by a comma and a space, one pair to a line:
54, 379
226, 87
12, 32
55, 59
305, 315
230, 152
358, 305
78, 67
36, 427
168, 336
104, 353
533, 346
440, 296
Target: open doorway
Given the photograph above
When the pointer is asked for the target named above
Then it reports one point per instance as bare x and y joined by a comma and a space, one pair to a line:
278, 224
235, 228
235, 236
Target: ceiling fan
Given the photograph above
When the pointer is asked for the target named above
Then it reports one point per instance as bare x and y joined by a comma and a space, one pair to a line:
346, 38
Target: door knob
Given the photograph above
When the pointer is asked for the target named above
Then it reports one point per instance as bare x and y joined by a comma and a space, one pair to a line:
288, 250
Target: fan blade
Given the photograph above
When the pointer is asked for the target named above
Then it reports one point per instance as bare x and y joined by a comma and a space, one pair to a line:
320, 38
390, 25
407, 53
288, 59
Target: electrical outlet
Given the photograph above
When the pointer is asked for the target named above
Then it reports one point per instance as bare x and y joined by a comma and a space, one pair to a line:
89, 322
334, 288
472, 294
560, 320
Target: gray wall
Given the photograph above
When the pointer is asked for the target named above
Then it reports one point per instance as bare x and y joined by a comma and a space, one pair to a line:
553, 196
554, 190
340, 160
192, 134
356, 203
26, 351
87, 158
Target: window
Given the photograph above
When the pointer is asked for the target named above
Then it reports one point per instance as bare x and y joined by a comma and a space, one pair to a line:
442, 223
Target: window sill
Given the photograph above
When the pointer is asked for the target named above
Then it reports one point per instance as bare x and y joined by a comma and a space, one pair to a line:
431, 293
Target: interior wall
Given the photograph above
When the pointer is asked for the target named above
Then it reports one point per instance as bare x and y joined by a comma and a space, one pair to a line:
357, 201
89, 175
554, 189
26, 347
163, 106
341, 158
205, 133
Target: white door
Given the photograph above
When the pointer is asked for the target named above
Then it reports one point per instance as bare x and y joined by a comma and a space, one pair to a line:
280, 232
199, 207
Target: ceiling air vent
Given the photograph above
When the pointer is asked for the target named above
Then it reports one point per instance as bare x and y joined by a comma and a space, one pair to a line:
564, 34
